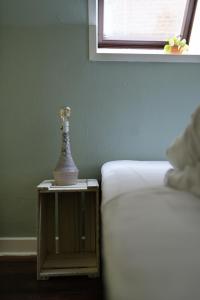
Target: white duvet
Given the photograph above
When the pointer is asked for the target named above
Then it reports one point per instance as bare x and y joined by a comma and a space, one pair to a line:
151, 235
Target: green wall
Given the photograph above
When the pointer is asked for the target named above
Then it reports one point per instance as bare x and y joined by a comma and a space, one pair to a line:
119, 110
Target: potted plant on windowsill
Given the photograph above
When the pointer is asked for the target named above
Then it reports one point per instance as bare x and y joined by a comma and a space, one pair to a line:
176, 45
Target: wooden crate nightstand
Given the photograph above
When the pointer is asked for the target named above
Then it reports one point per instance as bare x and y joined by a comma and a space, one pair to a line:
68, 229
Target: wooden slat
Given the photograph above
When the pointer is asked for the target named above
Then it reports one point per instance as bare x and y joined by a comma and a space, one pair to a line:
82, 222
69, 272
92, 183
47, 202
74, 260
82, 184
45, 185
46, 228
90, 221
50, 223
69, 222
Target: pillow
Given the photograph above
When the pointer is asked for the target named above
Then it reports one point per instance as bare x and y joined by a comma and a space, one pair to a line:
186, 148
186, 180
184, 155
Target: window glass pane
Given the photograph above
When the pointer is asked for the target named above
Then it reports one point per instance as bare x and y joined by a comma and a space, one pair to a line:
143, 20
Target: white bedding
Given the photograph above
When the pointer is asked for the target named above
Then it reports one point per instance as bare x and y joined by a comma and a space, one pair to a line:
151, 234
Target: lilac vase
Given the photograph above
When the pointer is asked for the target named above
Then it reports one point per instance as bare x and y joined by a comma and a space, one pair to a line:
66, 172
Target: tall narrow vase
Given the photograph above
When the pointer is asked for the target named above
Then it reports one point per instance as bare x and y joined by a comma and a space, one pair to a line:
66, 172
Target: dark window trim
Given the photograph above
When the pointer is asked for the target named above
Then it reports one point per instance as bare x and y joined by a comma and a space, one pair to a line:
185, 32
189, 19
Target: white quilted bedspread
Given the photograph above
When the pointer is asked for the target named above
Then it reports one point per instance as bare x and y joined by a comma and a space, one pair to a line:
151, 235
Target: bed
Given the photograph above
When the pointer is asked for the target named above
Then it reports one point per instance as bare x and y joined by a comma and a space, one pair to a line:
151, 234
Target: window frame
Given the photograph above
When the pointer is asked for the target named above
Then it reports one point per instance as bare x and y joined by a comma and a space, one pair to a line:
129, 55
185, 31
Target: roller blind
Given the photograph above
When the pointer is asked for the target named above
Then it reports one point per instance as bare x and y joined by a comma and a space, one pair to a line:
143, 20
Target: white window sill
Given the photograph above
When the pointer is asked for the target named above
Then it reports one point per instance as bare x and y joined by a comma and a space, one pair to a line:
143, 56
135, 55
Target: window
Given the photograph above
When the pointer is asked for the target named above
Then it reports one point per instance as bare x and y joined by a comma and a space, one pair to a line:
107, 41
143, 23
